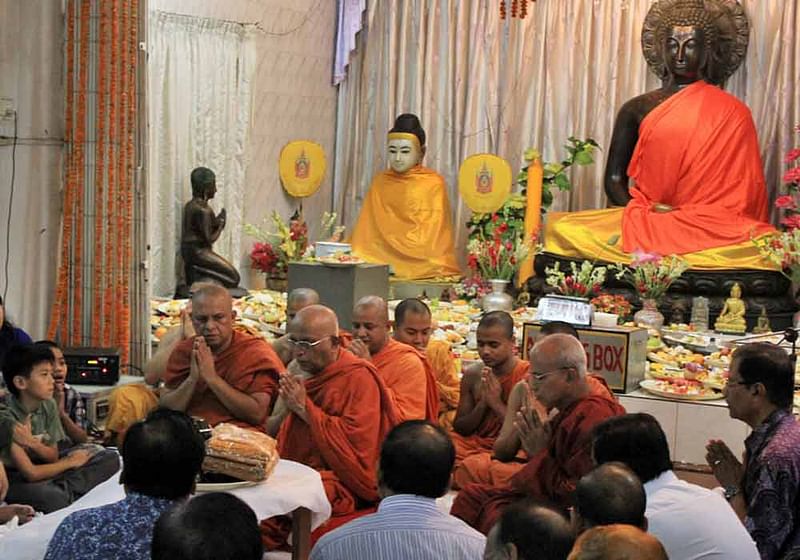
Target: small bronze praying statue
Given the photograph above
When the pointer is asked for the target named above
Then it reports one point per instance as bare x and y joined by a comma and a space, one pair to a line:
200, 228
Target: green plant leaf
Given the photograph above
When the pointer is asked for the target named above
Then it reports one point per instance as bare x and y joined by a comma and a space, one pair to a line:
584, 157
562, 182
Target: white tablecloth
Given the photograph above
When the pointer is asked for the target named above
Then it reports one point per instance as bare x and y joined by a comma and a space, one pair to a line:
291, 485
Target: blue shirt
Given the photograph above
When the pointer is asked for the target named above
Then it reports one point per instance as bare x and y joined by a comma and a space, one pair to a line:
122, 530
405, 526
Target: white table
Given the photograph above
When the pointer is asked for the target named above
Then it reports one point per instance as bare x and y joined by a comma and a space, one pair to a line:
291, 488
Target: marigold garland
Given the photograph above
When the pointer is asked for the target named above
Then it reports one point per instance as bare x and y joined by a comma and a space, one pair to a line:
100, 152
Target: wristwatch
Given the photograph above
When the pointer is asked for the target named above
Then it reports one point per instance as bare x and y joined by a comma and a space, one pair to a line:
731, 491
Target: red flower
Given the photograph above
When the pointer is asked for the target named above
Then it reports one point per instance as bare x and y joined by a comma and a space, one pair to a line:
792, 155
792, 176
792, 221
785, 201
495, 217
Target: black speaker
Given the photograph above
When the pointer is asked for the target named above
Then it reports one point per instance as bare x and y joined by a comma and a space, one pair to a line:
92, 366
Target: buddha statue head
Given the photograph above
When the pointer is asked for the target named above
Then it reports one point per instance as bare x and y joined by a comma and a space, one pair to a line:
204, 183
405, 143
689, 40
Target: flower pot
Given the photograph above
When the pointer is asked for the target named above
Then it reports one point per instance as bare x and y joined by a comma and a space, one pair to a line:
277, 283
649, 316
498, 299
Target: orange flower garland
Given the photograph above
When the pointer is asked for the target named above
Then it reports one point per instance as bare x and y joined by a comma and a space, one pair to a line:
100, 152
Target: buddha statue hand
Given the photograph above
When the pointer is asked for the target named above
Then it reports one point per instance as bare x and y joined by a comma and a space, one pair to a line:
222, 217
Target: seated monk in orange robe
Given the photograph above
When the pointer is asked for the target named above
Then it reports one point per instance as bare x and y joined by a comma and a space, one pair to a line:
413, 326
560, 449
338, 420
221, 375
508, 457
405, 371
485, 388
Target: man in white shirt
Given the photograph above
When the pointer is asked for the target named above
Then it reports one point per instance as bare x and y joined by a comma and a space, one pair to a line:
691, 522
415, 464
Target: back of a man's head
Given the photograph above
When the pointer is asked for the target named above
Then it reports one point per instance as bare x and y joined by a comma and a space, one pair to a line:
416, 458
636, 440
608, 495
617, 542
214, 526
531, 532
558, 327
162, 455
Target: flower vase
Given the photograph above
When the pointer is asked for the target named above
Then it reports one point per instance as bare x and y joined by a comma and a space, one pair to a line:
649, 316
498, 299
278, 283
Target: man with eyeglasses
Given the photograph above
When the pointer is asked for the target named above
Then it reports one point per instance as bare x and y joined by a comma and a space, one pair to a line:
338, 419
559, 449
221, 375
765, 490
485, 386
405, 371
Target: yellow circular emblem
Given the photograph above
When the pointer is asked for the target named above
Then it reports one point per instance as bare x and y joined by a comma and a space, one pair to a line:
484, 181
302, 167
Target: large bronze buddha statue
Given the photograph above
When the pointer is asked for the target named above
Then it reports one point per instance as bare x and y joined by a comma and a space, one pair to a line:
684, 173
689, 148
200, 229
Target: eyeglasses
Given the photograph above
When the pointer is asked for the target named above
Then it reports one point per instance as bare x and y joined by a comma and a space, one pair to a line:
306, 345
542, 375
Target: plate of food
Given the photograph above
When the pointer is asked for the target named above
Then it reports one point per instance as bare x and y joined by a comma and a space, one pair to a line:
680, 389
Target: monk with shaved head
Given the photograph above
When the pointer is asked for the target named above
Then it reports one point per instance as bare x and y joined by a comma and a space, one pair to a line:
338, 419
404, 370
617, 542
413, 325
221, 375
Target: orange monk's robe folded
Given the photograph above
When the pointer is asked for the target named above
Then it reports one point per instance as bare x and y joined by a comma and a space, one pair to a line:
409, 379
248, 364
405, 222
349, 414
698, 152
482, 441
447, 382
550, 475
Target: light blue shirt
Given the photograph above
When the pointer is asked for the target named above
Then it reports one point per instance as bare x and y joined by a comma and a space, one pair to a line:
405, 526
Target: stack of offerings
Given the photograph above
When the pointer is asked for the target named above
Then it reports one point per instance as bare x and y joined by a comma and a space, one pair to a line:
240, 453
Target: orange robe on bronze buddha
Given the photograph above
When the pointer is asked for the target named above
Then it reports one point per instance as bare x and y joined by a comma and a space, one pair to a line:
482, 440
405, 222
697, 152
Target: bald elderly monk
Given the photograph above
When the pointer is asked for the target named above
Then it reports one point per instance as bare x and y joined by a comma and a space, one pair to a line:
508, 456
559, 449
485, 386
338, 419
221, 375
298, 299
413, 326
404, 370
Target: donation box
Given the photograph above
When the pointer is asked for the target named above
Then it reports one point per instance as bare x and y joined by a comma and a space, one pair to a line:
618, 354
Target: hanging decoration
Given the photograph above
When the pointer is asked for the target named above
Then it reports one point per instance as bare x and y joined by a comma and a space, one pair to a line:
93, 300
519, 8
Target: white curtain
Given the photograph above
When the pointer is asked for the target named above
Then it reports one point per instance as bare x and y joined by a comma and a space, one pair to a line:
482, 84
200, 75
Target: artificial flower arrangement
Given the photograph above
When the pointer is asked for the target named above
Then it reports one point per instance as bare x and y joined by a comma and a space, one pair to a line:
613, 303
783, 248
498, 255
274, 250
580, 281
650, 274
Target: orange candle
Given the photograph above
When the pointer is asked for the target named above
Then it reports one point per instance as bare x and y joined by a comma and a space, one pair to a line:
533, 215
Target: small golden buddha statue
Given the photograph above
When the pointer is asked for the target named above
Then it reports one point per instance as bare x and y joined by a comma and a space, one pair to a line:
763, 325
731, 318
